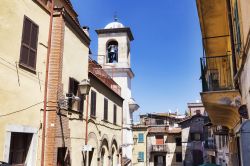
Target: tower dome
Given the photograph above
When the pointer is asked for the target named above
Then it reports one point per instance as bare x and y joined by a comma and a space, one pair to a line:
114, 25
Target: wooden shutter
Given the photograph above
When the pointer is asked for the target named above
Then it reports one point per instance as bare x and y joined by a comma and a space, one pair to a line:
140, 138
29, 44
81, 103
159, 140
93, 103
73, 88
19, 147
105, 109
115, 114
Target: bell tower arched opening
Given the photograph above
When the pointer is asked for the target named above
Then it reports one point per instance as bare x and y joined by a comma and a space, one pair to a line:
112, 52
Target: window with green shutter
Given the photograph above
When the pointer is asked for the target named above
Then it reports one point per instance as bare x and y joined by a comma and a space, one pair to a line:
140, 156
140, 138
237, 28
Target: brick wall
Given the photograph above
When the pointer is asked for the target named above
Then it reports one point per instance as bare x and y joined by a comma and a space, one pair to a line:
57, 132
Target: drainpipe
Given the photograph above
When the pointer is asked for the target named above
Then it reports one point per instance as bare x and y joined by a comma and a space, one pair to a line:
86, 130
46, 83
231, 36
122, 137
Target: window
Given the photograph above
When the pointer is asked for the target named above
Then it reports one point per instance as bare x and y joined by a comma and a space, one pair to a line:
198, 112
140, 138
105, 116
115, 114
159, 122
195, 136
237, 28
81, 103
29, 44
73, 89
63, 157
140, 156
19, 147
178, 157
159, 140
178, 141
93, 104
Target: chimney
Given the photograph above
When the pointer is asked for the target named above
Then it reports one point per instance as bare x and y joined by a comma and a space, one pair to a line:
86, 30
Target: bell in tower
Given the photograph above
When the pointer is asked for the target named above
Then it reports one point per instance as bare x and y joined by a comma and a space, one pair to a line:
112, 52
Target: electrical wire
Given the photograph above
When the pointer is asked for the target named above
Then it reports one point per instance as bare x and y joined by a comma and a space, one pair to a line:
21, 110
14, 68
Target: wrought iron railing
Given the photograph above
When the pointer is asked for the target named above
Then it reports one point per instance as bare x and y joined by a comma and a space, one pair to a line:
209, 144
216, 73
160, 148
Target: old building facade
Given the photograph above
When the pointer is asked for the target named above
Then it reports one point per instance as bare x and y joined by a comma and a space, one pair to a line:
225, 37
157, 141
192, 138
39, 54
104, 118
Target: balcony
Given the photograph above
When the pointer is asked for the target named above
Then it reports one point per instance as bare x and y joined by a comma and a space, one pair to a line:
219, 95
216, 73
209, 145
160, 148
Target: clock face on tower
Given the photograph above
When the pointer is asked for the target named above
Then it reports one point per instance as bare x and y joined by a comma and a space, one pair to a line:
112, 52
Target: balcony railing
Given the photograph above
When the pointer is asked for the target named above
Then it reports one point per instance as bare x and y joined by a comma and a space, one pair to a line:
216, 73
159, 148
210, 145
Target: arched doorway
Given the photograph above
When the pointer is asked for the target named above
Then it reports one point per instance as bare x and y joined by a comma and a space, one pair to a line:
104, 153
93, 155
114, 153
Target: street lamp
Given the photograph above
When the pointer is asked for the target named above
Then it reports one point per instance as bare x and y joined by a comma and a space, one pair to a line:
133, 106
84, 86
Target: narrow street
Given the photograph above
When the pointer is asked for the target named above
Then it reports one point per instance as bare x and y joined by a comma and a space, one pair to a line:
124, 83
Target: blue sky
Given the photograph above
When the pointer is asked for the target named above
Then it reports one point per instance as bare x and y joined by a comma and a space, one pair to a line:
166, 50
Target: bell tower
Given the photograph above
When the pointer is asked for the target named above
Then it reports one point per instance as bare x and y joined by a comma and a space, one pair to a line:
114, 45
114, 57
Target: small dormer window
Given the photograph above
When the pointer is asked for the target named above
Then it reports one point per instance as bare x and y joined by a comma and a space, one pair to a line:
112, 52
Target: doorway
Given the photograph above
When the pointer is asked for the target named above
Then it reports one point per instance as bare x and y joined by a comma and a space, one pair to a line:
159, 160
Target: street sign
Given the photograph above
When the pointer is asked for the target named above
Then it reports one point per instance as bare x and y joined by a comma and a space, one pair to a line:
87, 148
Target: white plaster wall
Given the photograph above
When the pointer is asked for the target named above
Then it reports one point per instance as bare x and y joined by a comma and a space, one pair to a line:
245, 83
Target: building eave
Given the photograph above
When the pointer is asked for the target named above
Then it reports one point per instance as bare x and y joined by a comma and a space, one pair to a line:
117, 30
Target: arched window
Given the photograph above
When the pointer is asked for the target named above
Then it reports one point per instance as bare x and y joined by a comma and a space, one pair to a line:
112, 52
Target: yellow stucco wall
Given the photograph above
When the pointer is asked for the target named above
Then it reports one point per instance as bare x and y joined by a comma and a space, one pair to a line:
98, 130
140, 147
30, 92
75, 64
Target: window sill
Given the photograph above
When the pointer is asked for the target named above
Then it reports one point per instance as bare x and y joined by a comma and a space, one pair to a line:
105, 121
27, 68
92, 117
